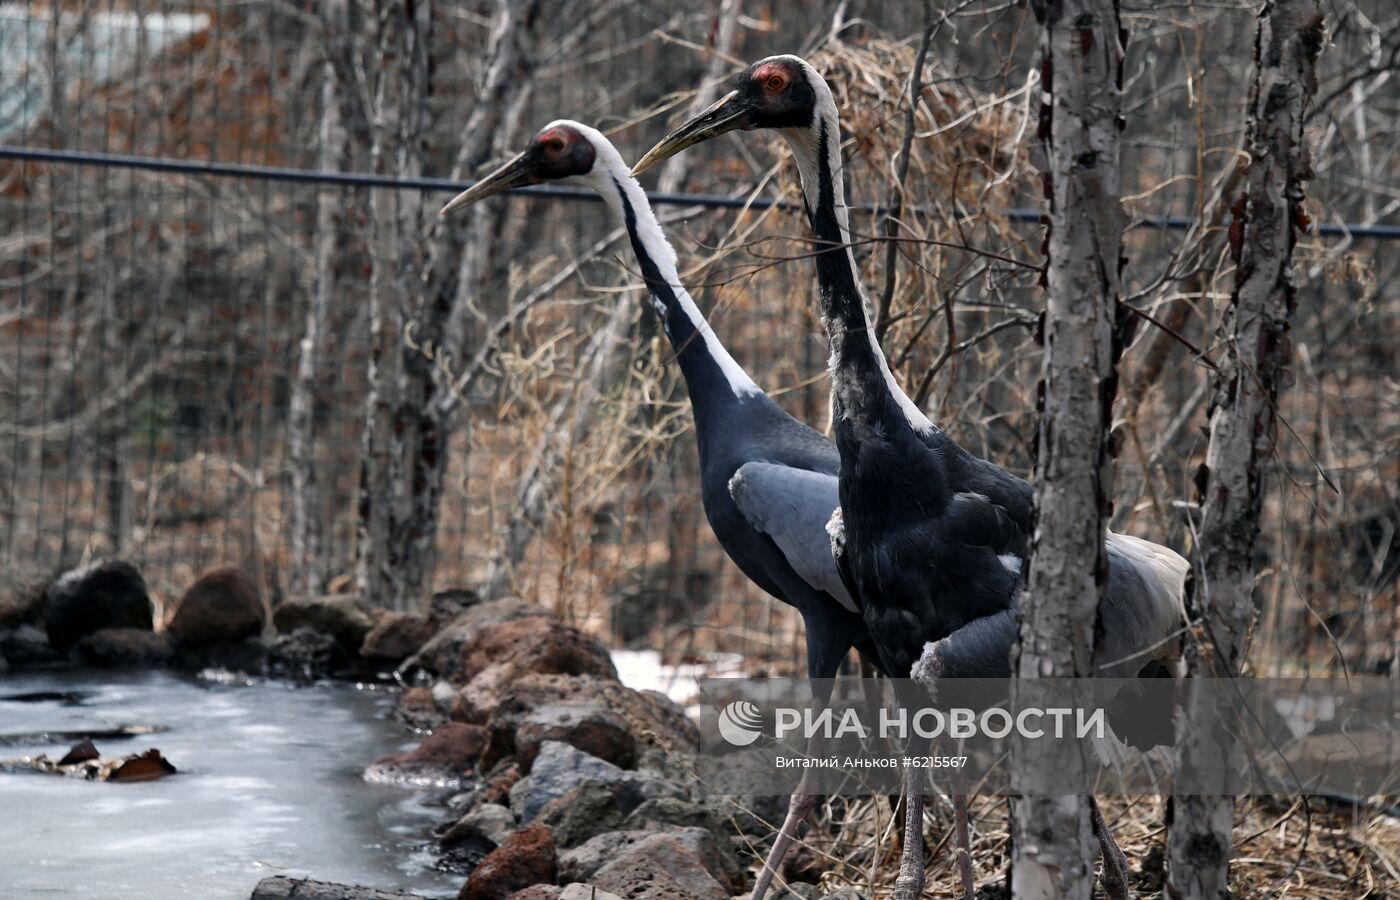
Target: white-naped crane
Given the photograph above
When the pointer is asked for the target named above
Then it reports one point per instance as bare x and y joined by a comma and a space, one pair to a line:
931, 540
768, 482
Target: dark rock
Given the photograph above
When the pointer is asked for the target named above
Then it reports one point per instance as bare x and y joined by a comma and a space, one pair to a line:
305, 655
526, 858
418, 709
660, 867
249, 655
559, 767
499, 655
280, 887
27, 646
443, 655
491, 821
498, 786
672, 813
589, 727
125, 647
588, 809
22, 594
583, 862
396, 636
105, 594
460, 852
342, 616
578, 891
797, 891
447, 605
223, 605
443, 758
649, 716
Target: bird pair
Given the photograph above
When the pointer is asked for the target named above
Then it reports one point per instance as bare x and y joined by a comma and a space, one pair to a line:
929, 544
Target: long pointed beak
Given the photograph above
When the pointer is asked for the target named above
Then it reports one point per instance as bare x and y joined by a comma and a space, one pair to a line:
515, 173
726, 114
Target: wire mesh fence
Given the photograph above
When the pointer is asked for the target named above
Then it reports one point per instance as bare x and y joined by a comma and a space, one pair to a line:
155, 323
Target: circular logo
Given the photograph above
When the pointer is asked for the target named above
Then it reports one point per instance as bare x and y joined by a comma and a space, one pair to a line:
740, 723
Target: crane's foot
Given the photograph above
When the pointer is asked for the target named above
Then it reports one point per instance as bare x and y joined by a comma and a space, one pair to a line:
1115, 864
908, 887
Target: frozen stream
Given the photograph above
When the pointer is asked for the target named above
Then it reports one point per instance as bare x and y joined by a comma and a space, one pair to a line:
269, 784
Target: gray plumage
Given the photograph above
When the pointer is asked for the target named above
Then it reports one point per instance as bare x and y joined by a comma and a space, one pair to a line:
791, 506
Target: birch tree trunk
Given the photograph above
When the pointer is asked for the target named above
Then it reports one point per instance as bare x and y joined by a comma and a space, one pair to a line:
1254, 332
308, 563
400, 108
1053, 839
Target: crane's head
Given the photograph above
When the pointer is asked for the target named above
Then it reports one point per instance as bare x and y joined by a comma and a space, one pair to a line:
562, 150
779, 92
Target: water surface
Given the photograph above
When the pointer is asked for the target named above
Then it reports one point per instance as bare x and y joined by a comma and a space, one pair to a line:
269, 784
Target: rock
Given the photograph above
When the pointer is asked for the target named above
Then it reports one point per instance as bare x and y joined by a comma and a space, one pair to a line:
342, 616
22, 594
489, 820
280, 887
461, 852
443, 655
650, 718
797, 891
672, 813
587, 810
125, 647
446, 755
538, 892
448, 604
418, 709
498, 785
105, 594
396, 636
583, 862
305, 655
526, 858
27, 646
559, 767
578, 891
660, 867
247, 655
589, 727
499, 655
223, 605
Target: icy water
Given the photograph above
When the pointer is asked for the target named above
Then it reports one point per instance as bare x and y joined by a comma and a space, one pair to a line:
269, 784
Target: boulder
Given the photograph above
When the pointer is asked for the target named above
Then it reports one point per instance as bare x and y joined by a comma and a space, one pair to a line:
27, 646
342, 616
418, 709
396, 636
590, 727
583, 862
105, 594
538, 892
588, 809
22, 594
305, 655
499, 655
461, 852
673, 813
280, 887
443, 758
650, 718
526, 858
443, 654
660, 867
559, 767
223, 605
447, 605
247, 655
578, 891
124, 648
797, 891
489, 820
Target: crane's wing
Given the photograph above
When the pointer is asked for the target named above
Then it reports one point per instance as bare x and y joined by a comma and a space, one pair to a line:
792, 506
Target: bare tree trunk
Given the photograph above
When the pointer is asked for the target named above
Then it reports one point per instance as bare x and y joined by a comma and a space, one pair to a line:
308, 562
533, 496
400, 102
1079, 131
1254, 331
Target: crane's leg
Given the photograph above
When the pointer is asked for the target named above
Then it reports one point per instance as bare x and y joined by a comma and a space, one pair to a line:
964, 846
1115, 864
910, 883
800, 806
